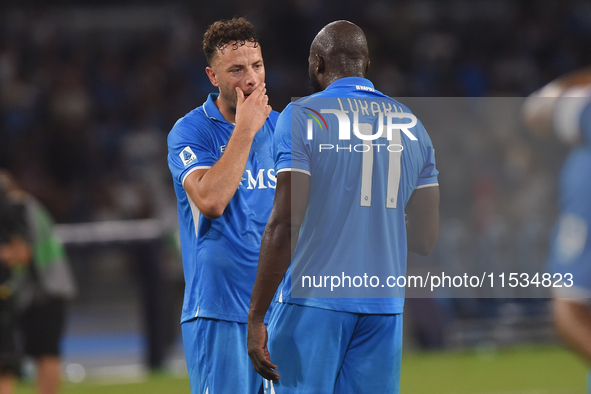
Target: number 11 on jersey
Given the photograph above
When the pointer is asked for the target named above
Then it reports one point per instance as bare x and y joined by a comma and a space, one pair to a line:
394, 157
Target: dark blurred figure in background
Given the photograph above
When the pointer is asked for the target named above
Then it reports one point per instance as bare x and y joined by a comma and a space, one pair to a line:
563, 107
44, 282
11, 240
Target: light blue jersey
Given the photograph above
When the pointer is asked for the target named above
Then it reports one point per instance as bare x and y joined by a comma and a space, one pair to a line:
354, 228
570, 252
570, 249
220, 256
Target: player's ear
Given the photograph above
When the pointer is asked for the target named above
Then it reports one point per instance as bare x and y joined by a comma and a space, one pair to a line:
367, 66
320, 64
211, 75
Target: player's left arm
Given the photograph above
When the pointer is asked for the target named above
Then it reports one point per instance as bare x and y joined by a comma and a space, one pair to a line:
422, 214
278, 242
572, 321
422, 208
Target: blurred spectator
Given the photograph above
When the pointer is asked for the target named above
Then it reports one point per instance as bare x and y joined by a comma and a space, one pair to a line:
45, 283
12, 233
71, 93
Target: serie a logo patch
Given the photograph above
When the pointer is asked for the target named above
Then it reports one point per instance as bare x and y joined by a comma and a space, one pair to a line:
188, 156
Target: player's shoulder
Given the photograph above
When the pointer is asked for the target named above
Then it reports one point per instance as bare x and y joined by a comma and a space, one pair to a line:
390, 102
194, 121
400, 106
315, 102
286, 113
283, 123
311, 99
273, 116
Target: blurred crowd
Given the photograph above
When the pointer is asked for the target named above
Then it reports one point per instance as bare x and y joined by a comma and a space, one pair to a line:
89, 93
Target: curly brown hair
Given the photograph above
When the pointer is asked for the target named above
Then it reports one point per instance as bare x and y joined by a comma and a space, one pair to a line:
235, 31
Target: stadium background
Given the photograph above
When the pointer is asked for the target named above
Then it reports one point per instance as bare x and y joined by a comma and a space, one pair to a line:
89, 91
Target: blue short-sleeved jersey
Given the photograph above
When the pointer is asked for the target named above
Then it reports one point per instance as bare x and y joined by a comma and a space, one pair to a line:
354, 223
570, 250
220, 256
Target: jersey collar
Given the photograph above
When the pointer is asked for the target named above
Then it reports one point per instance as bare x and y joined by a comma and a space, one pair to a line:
355, 83
211, 110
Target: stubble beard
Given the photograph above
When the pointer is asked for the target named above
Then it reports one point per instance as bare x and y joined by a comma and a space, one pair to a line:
230, 99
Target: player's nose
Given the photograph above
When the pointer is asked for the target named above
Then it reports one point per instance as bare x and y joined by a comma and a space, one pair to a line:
251, 78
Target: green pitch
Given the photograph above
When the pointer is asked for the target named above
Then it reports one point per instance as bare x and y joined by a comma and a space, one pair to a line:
154, 384
519, 370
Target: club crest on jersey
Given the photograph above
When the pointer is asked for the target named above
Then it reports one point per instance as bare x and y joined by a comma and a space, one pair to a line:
188, 156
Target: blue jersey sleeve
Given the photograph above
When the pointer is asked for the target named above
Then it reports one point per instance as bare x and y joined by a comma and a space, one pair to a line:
282, 140
571, 247
290, 146
429, 173
585, 123
575, 183
190, 147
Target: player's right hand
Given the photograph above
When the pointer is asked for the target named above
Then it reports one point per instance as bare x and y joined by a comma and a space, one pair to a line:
258, 352
252, 111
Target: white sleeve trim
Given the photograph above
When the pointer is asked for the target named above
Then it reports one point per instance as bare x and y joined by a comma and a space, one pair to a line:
294, 170
427, 185
191, 170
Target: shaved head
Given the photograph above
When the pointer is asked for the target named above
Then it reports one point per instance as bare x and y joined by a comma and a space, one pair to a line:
339, 50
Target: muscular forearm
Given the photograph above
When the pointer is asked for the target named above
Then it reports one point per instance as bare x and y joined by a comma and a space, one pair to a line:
273, 263
572, 321
217, 185
279, 240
